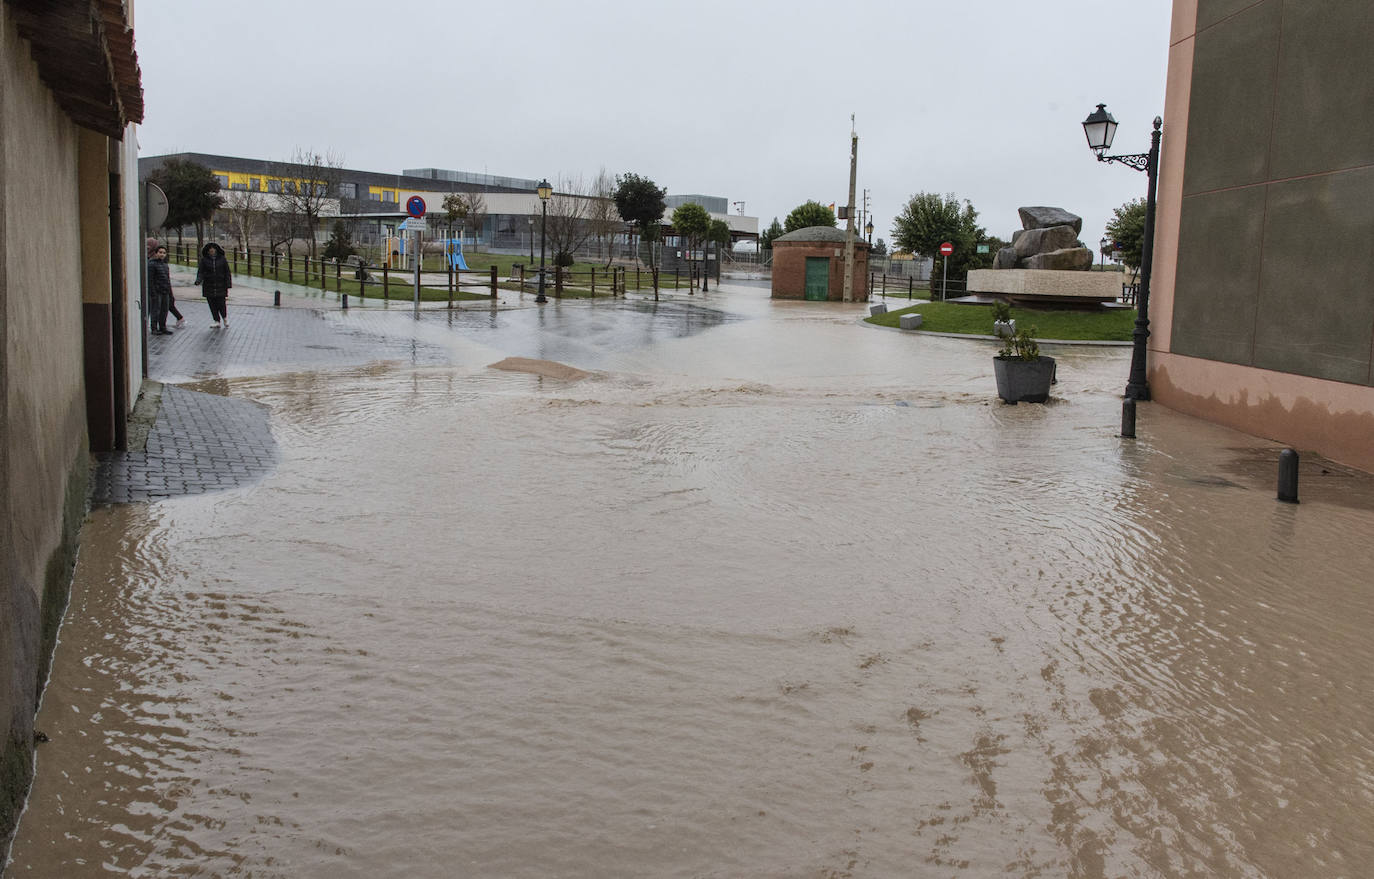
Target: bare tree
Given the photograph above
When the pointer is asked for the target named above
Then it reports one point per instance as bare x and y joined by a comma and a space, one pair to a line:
309, 183
246, 209
602, 216
455, 211
474, 211
568, 228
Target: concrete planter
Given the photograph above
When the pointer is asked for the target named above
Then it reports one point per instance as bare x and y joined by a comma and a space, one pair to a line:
910, 321
1004, 328
880, 308
1023, 381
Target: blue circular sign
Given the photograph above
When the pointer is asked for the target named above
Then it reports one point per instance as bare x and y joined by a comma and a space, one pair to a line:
415, 206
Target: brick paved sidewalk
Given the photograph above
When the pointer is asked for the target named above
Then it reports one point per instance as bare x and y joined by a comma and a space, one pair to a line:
196, 443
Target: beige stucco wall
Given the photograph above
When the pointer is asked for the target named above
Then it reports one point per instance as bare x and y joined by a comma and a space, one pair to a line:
43, 429
1046, 282
1333, 418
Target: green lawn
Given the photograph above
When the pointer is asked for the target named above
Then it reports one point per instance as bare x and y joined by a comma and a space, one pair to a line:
1110, 325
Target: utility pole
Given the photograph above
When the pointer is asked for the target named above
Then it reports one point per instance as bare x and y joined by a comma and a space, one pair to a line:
849, 219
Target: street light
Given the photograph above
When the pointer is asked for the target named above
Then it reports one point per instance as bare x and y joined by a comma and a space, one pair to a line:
1100, 129
1102, 249
869, 229
545, 191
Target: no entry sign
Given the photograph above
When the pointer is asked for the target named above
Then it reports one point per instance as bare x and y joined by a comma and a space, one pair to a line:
946, 249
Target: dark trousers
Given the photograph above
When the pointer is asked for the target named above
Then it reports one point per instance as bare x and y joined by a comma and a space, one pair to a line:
158, 306
172, 307
217, 307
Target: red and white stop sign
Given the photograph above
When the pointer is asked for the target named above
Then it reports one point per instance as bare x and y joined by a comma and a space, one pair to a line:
946, 249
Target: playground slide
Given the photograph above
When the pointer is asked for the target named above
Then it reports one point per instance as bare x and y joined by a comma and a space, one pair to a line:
455, 255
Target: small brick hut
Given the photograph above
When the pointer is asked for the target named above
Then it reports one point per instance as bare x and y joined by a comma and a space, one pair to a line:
809, 264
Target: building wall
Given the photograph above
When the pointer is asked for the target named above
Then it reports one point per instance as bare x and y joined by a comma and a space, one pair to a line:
789, 269
1263, 309
42, 389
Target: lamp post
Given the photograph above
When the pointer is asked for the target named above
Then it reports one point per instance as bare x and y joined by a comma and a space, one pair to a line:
544, 190
1100, 128
1102, 249
531, 219
868, 227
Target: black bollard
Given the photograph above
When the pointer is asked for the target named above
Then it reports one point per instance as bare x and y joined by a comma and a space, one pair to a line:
1288, 476
1128, 419
343, 301
276, 297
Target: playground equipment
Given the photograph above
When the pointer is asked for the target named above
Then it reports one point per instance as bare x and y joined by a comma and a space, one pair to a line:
453, 252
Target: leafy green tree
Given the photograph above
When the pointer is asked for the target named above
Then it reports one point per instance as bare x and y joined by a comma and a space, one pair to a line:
930, 219
770, 235
455, 211
880, 248
692, 222
192, 195
340, 244
1127, 228
640, 201
811, 213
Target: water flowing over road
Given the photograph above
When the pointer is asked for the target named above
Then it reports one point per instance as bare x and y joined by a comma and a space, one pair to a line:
765, 593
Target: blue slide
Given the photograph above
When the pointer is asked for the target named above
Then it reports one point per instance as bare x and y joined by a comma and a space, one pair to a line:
454, 248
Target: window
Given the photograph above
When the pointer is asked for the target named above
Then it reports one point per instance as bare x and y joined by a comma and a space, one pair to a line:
389, 195
274, 186
240, 187
348, 190
255, 184
223, 180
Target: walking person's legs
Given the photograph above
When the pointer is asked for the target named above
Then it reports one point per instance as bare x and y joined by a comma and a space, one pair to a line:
172, 307
160, 313
213, 302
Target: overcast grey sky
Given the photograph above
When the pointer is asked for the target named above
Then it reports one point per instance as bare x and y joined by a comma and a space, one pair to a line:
747, 100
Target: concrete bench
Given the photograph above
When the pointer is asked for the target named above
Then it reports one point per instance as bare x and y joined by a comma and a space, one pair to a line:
909, 321
880, 308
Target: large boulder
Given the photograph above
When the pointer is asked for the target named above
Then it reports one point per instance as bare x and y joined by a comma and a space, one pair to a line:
1005, 259
1043, 218
1068, 259
1029, 242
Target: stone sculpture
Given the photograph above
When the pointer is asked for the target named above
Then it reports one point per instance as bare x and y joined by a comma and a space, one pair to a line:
1048, 239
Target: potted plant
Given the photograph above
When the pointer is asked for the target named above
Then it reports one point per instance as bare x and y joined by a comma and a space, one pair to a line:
1002, 324
1023, 373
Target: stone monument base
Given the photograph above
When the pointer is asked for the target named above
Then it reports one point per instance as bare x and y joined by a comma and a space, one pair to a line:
1028, 286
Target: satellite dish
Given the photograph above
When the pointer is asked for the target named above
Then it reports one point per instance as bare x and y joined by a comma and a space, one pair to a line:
157, 205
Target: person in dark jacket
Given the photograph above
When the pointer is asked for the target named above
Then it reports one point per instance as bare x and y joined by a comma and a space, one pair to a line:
159, 290
214, 280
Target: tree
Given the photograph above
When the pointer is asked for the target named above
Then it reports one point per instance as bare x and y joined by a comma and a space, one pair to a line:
770, 235
930, 219
567, 229
309, 181
693, 223
640, 201
1127, 229
192, 196
880, 248
601, 212
812, 213
339, 247
474, 211
247, 210
455, 211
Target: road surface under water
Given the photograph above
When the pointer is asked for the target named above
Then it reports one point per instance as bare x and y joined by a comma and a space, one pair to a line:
768, 593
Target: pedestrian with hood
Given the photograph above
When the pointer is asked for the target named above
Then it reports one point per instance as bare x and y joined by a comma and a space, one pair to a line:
153, 245
214, 280
159, 288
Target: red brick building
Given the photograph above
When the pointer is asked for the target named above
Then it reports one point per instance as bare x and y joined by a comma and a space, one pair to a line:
809, 264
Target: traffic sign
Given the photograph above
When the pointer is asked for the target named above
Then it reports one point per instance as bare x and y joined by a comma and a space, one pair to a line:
415, 206
415, 224
946, 249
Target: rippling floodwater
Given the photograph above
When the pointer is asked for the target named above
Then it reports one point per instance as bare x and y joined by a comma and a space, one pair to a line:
778, 596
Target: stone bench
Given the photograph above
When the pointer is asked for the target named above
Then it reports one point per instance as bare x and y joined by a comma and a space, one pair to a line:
910, 321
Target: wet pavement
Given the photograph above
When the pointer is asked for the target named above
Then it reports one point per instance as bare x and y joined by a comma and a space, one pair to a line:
756, 590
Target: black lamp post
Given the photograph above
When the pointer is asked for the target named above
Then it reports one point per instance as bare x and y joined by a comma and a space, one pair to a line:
544, 190
868, 227
1100, 128
1102, 249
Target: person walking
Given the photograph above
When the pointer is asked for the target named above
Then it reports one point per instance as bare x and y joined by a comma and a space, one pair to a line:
153, 245
214, 280
159, 290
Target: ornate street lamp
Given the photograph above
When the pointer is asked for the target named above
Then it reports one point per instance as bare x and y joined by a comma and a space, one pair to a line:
1100, 129
1102, 247
868, 227
545, 191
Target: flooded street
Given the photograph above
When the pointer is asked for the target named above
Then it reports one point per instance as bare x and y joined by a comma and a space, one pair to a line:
767, 593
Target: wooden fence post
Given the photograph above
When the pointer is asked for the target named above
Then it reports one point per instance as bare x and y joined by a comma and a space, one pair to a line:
290, 267
493, 282
558, 281
655, 270
338, 276
593, 282
324, 276
386, 282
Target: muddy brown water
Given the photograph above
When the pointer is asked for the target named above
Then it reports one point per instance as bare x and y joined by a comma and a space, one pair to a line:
784, 596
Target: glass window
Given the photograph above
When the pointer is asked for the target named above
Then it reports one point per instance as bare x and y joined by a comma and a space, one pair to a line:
348, 190
274, 186
255, 184
223, 180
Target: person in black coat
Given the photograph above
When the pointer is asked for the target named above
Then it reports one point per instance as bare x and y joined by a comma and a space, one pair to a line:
159, 290
214, 280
